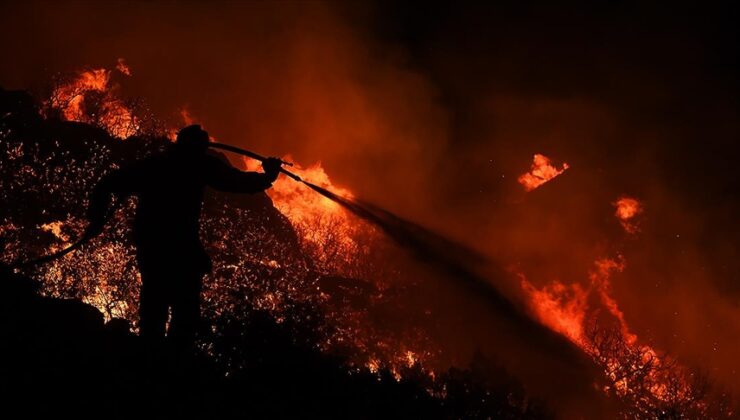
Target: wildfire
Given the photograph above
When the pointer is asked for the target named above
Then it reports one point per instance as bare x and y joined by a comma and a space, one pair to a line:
69, 98
542, 171
600, 280
187, 119
268, 279
565, 309
252, 267
322, 224
91, 97
627, 208
560, 307
638, 375
303, 205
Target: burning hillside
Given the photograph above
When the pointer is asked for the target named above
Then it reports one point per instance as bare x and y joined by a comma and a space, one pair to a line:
510, 205
588, 314
320, 259
312, 255
91, 97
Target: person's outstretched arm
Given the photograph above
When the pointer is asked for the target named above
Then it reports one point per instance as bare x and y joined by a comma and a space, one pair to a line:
223, 177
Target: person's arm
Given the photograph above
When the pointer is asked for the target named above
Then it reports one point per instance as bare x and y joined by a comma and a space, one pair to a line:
120, 182
223, 177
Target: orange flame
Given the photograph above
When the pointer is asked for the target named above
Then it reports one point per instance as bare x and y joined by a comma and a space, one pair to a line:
560, 307
186, 119
542, 171
70, 99
600, 279
123, 67
301, 203
627, 208
320, 222
564, 309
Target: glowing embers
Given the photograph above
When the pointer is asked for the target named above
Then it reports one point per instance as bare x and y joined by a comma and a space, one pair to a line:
542, 171
91, 97
627, 209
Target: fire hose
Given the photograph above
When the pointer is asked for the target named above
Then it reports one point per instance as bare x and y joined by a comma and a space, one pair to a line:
255, 156
85, 238
88, 235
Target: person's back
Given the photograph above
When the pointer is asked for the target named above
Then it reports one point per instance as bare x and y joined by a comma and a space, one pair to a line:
170, 196
171, 259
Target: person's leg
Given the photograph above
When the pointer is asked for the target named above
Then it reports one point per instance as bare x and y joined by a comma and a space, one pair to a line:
153, 305
185, 310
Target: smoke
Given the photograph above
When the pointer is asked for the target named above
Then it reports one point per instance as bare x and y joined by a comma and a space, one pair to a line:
435, 119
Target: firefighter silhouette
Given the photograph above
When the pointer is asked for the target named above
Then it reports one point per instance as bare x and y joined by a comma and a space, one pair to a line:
171, 258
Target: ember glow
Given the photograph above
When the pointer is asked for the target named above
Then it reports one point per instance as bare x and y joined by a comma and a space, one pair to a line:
542, 171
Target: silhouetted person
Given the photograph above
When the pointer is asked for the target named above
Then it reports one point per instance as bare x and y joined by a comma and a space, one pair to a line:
171, 259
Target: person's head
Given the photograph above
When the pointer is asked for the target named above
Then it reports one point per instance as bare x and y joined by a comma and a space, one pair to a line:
192, 140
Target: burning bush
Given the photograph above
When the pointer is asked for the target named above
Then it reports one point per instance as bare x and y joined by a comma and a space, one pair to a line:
92, 96
649, 385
